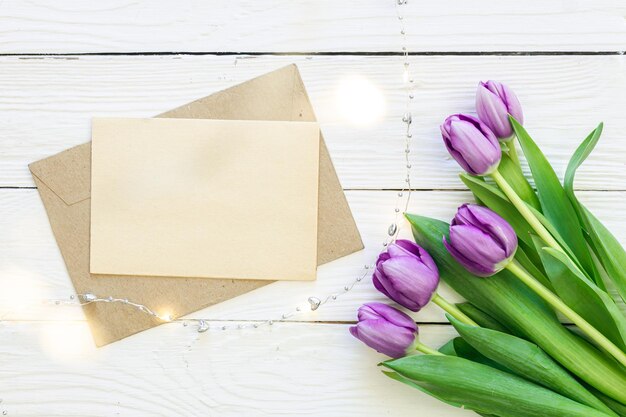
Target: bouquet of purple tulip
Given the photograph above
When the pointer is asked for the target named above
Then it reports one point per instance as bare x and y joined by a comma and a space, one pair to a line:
519, 256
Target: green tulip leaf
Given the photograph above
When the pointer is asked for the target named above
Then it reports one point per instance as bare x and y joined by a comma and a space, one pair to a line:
466, 351
584, 297
483, 319
617, 407
531, 266
448, 348
580, 155
400, 378
555, 204
550, 228
397, 377
459, 347
513, 175
485, 389
526, 360
510, 302
609, 251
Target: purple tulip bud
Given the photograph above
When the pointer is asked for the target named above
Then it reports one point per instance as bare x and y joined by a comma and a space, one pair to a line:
494, 102
480, 240
407, 274
385, 329
471, 143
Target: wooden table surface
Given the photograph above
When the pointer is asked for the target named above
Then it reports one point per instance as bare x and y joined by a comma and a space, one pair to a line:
63, 62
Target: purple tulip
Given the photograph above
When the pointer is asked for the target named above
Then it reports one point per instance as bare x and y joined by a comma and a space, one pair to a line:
407, 274
385, 329
494, 102
480, 240
471, 143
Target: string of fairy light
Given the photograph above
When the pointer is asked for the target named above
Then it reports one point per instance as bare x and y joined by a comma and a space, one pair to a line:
403, 198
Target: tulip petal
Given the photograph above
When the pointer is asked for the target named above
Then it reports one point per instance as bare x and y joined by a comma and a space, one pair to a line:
489, 222
494, 102
471, 144
413, 248
411, 283
385, 337
386, 286
458, 156
510, 99
493, 112
376, 280
428, 261
405, 245
393, 315
476, 245
471, 266
354, 331
401, 248
368, 312
475, 153
382, 257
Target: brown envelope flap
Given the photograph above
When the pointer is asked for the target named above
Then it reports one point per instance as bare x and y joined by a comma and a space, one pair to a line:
67, 174
248, 100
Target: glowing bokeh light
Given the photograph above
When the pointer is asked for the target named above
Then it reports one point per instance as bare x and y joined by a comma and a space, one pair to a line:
359, 101
67, 341
166, 316
22, 290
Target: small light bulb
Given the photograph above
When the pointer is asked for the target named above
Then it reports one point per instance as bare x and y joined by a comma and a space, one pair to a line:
165, 317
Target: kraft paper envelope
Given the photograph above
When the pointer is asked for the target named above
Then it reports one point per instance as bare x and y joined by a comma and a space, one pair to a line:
63, 181
204, 198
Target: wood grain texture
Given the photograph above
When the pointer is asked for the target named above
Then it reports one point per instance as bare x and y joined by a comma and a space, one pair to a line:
283, 370
47, 104
309, 26
31, 268
310, 365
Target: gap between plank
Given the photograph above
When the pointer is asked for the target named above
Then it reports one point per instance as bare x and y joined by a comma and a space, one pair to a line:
319, 53
443, 190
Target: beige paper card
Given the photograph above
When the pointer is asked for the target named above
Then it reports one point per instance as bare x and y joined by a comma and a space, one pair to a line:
204, 198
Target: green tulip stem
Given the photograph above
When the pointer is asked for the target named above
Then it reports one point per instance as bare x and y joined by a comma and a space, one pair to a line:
512, 150
452, 310
560, 306
425, 349
520, 205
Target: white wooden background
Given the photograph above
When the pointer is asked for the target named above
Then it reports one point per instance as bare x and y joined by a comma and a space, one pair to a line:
63, 62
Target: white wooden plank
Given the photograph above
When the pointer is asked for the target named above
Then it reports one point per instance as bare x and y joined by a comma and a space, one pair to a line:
31, 266
32, 271
304, 25
305, 369
46, 106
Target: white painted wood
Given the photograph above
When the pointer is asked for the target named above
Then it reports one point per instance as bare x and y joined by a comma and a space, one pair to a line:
307, 25
48, 364
46, 105
32, 271
31, 265
51, 369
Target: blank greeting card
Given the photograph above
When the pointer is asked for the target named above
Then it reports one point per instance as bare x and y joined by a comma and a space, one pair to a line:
204, 198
